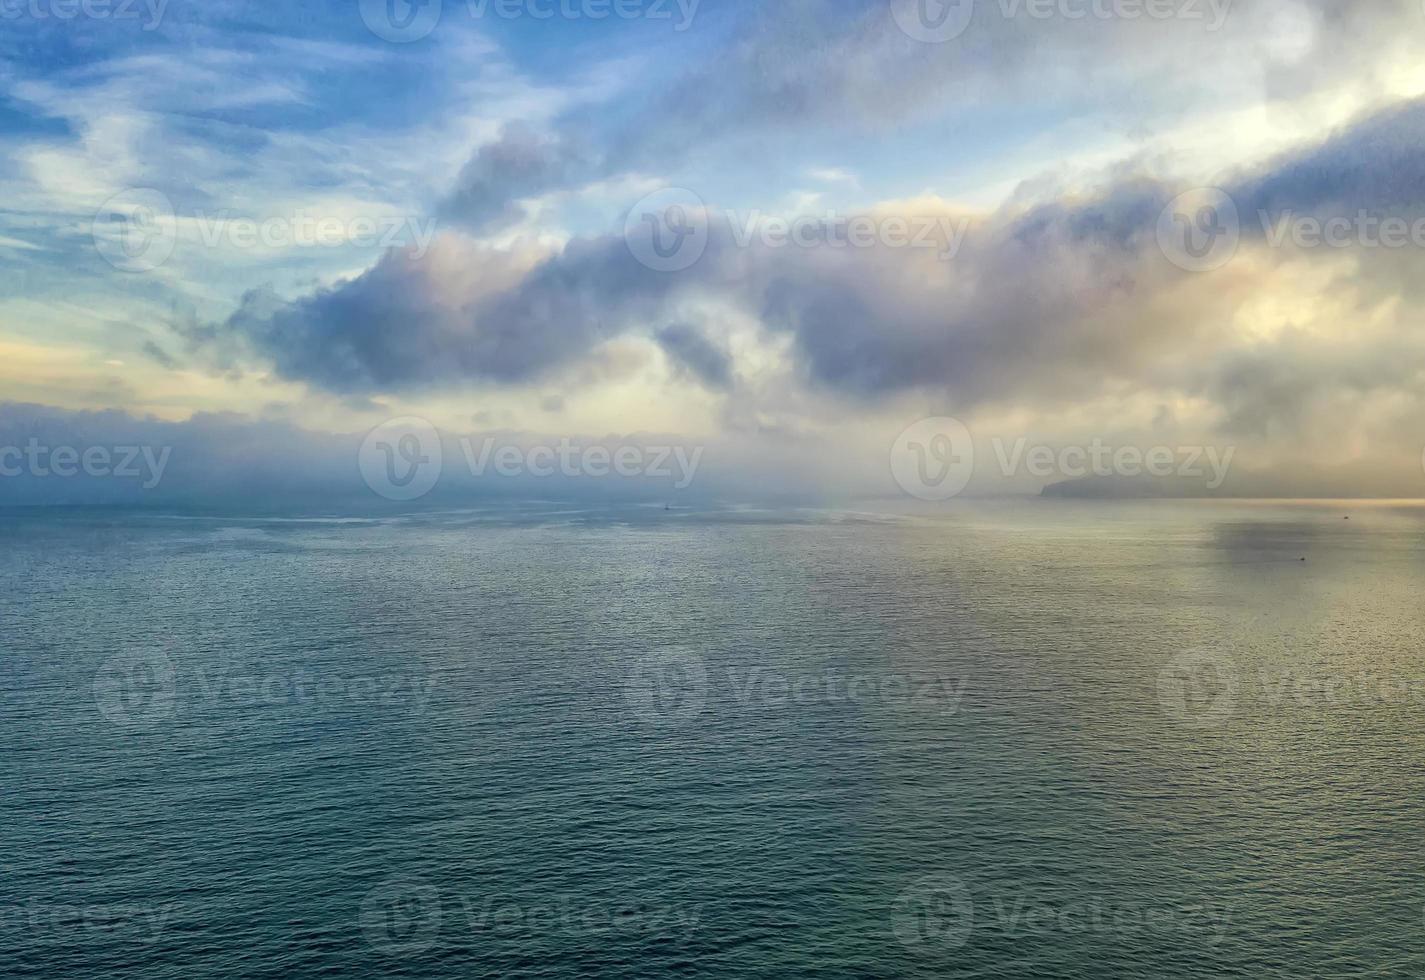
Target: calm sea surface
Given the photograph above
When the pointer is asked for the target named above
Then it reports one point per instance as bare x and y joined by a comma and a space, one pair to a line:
1042, 739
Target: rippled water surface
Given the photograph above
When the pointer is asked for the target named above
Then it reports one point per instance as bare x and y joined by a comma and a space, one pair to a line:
1028, 740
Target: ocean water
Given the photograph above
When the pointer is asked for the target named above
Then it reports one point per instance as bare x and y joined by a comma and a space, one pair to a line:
1039, 739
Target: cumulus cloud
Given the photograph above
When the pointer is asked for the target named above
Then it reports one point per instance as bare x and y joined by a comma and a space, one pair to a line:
1051, 299
1051, 302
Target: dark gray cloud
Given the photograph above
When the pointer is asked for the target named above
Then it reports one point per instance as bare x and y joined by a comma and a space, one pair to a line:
461, 313
691, 349
1047, 303
521, 163
863, 321
1375, 164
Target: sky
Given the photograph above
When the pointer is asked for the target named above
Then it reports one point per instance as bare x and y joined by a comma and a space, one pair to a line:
810, 249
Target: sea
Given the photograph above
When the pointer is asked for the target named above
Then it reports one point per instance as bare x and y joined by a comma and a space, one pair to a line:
1008, 739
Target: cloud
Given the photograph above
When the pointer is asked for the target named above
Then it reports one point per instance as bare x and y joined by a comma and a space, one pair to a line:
828, 67
158, 355
1051, 298
1051, 302
520, 163
692, 350
1377, 164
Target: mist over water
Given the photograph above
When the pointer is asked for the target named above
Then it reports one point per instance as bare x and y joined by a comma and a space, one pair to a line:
1042, 738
